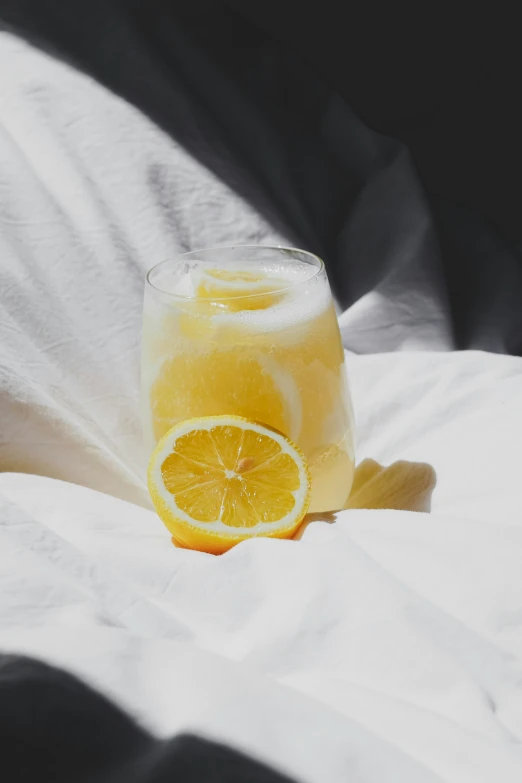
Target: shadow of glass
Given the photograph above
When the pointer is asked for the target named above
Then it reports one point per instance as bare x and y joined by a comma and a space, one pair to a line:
404, 486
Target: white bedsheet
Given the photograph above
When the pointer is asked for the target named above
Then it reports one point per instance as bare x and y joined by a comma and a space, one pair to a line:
386, 646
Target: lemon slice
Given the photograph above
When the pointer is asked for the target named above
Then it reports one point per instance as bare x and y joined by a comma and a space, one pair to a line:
236, 290
235, 275
218, 480
229, 380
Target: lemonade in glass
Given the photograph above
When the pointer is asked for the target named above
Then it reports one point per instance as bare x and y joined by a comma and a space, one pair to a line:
251, 331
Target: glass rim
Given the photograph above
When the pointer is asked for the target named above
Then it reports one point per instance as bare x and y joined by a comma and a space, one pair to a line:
318, 264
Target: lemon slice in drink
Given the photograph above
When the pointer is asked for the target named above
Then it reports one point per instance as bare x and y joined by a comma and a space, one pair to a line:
236, 290
219, 480
225, 380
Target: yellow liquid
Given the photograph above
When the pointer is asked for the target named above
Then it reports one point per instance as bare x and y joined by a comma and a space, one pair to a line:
275, 357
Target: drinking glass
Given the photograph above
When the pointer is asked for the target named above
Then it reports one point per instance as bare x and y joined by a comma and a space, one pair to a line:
251, 331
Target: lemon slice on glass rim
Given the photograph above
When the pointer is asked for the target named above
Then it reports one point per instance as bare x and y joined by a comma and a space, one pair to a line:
219, 480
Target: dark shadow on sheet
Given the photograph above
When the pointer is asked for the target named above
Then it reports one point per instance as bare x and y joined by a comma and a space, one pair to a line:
404, 486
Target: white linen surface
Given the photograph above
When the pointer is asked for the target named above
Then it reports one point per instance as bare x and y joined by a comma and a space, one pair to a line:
386, 646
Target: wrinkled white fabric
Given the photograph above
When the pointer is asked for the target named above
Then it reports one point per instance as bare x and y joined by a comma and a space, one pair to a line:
91, 196
385, 646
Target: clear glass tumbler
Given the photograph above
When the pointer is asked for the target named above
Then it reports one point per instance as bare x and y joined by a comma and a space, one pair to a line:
251, 331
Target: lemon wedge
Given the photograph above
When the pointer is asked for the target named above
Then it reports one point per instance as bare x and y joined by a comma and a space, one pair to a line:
219, 480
